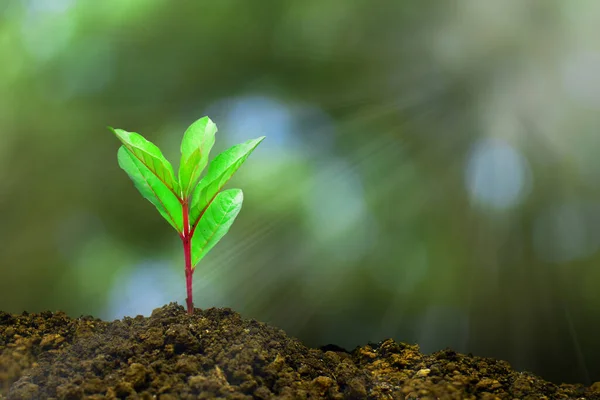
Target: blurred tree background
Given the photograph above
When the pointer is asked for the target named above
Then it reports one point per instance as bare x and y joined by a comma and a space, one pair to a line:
430, 172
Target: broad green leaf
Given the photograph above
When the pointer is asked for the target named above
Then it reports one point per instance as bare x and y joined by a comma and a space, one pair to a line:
220, 170
197, 142
215, 222
152, 188
149, 155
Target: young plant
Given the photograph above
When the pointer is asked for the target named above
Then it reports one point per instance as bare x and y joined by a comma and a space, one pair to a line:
197, 208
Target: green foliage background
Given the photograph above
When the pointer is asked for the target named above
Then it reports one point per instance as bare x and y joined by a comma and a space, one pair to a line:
430, 171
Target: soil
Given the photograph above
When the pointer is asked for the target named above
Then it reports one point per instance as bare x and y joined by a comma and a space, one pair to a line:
216, 354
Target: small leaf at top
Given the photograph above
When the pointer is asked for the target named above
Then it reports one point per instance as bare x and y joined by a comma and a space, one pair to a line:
197, 142
152, 188
215, 222
220, 170
149, 155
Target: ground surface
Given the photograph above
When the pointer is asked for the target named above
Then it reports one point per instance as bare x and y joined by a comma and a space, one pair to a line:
217, 354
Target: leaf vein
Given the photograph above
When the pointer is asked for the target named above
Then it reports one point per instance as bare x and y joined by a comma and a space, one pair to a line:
143, 161
156, 195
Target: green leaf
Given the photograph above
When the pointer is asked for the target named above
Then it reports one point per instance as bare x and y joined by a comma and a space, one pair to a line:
197, 142
149, 155
215, 222
220, 170
152, 188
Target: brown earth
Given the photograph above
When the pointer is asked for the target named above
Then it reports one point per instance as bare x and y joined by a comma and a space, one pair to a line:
215, 354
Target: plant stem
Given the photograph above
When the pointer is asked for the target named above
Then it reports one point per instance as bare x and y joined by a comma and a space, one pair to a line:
187, 253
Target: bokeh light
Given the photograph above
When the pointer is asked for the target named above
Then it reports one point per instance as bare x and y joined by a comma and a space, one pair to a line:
497, 175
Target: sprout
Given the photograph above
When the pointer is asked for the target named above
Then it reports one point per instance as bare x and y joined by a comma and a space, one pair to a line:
197, 208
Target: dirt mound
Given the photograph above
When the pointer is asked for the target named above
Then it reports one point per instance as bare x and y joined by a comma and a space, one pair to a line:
217, 354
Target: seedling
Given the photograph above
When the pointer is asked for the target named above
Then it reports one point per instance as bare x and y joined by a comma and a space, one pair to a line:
197, 208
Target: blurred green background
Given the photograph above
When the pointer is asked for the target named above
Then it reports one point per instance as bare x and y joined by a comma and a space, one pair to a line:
430, 172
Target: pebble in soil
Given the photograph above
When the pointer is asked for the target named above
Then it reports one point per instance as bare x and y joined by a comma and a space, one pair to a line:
217, 354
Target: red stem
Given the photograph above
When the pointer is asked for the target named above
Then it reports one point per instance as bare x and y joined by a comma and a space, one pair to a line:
186, 238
